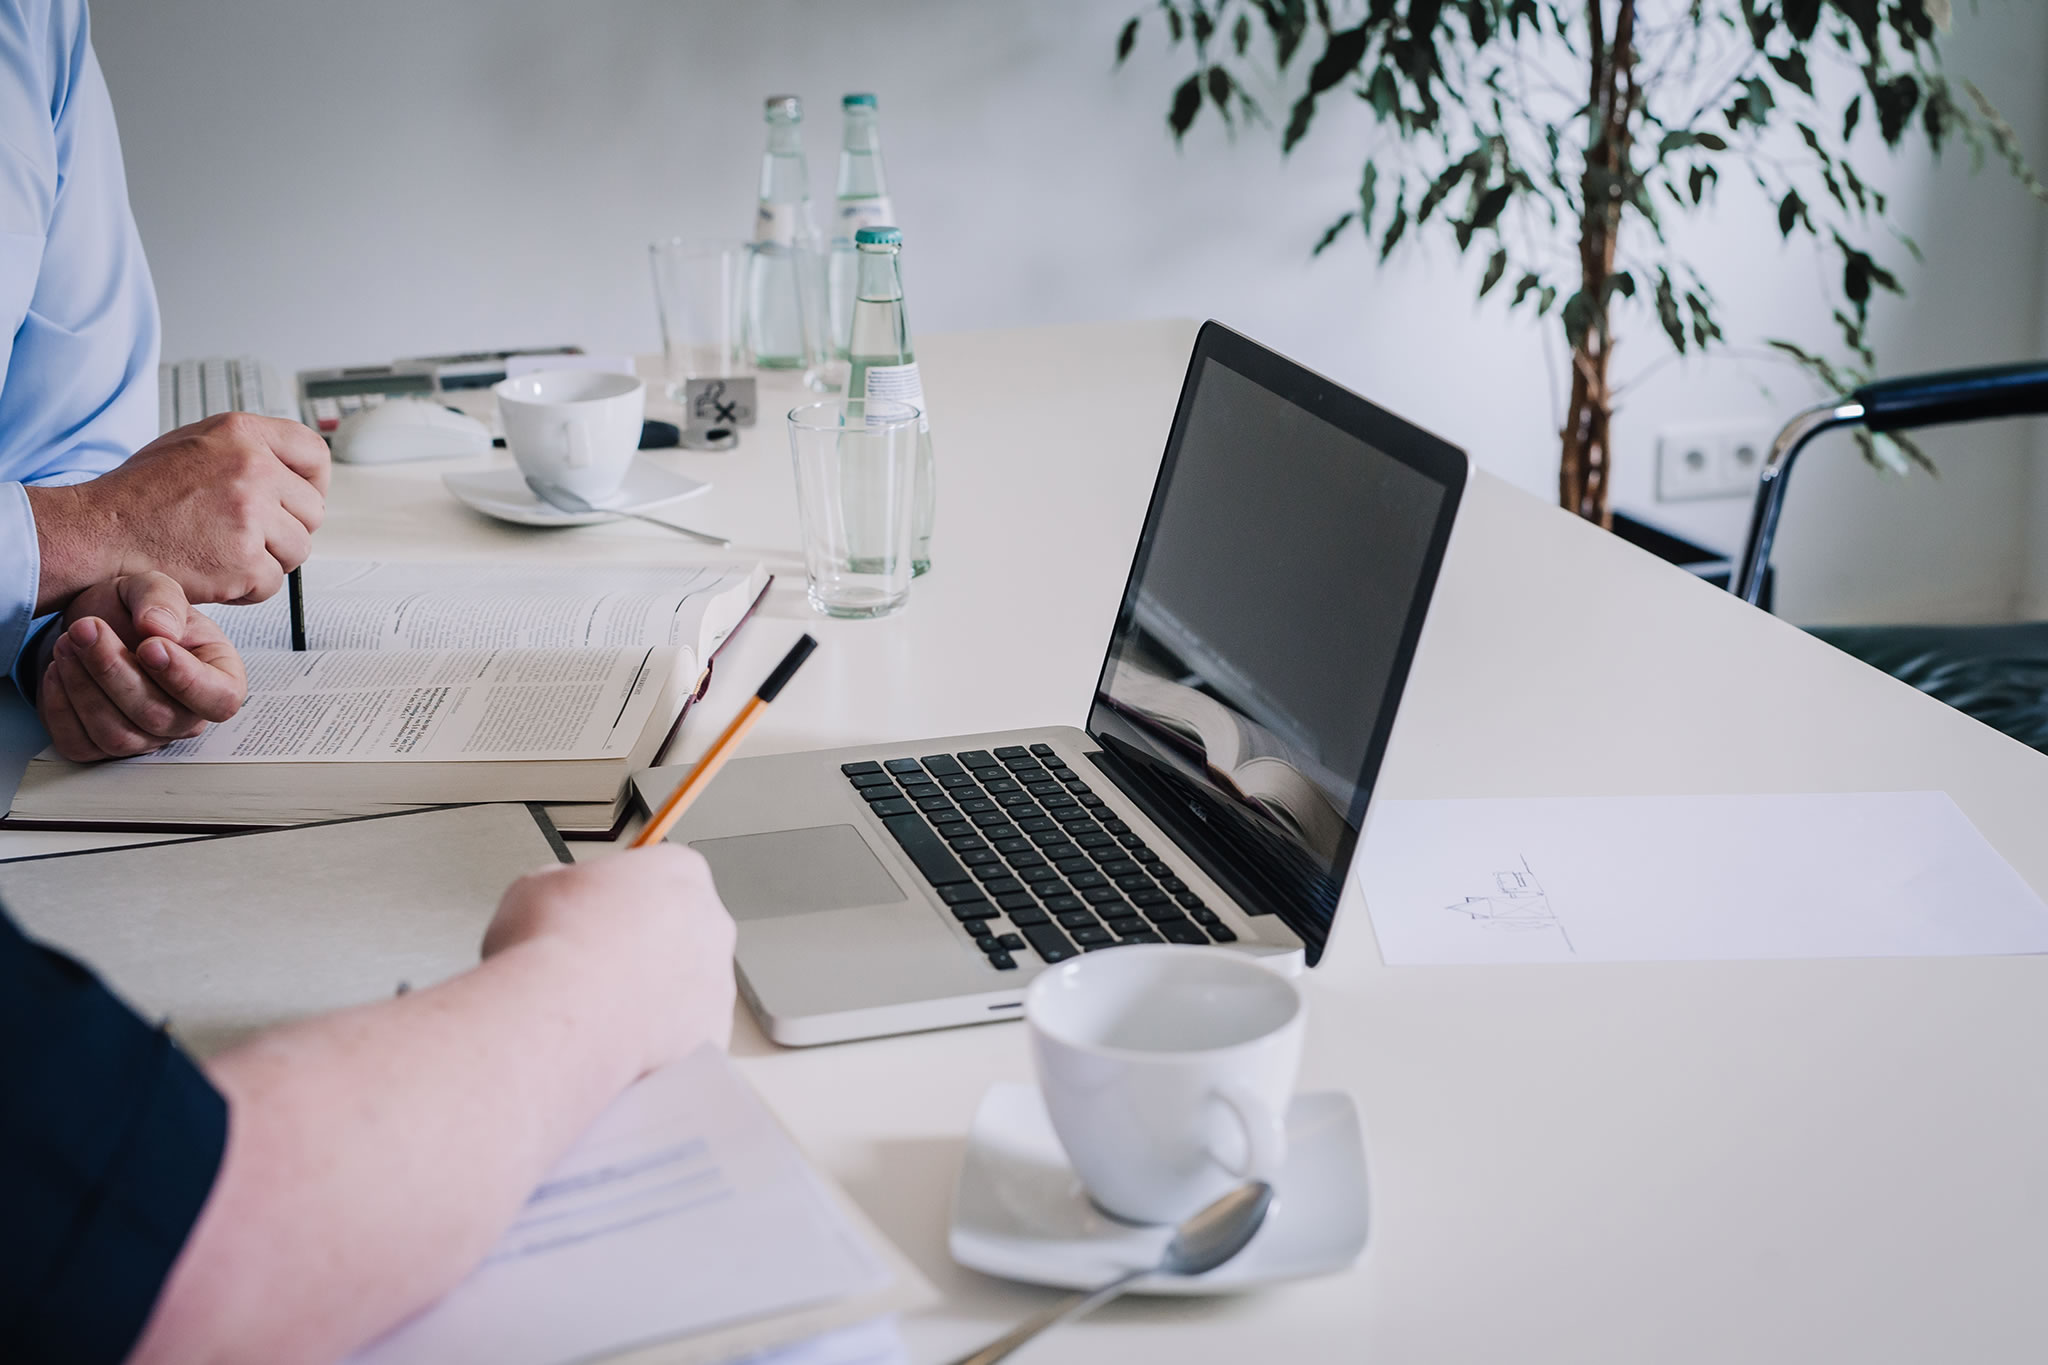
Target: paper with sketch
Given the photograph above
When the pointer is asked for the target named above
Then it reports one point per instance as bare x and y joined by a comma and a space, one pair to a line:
685, 1207
449, 705
356, 605
1683, 878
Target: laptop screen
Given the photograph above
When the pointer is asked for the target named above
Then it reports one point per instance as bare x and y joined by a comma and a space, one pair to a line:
1265, 635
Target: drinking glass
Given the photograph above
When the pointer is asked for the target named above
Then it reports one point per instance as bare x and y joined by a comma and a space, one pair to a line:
856, 486
697, 286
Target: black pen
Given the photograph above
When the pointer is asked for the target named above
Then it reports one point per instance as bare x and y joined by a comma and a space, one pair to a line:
295, 590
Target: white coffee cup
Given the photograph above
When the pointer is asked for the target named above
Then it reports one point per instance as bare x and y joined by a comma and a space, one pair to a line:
576, 429
1167, 1071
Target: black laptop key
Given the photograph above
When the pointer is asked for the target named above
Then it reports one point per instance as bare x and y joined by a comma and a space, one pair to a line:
959, 893
977, 758
1041, 749
877, 778
989, 872
1001, 960
1015, 901
858, 769
1059, 803
1089, 801
975, 805
985, 818
975, 928
1173, 884
1147, 857
1076, 820
1146, 936
1002, 886
1077, 919
1116, 826
1001, 834
1070, 866
940, 765
1014, 844
1181, 931
895, 806
1056, 851
933, 805
1025, 916
1057, 903
1097, 895
1119, 867
1096, 839
1146, 895
968, 842
1073, 783
956, 781
1046, 789
1163, 915
1011, 751
991, 774
1055, 763
1132, 882
1025, 857
955, 830
925, 848
988, 944
1001, 785
973, 908
1107, 853
1039, 824
1221, 933
1041, 873
903, 765
1051, 839
1204, 917
1085, 880
1188, 900
914, 790
1011, 941
1049, 942
976, 857
880, 793
1017, 799
1123, 926
1098, 937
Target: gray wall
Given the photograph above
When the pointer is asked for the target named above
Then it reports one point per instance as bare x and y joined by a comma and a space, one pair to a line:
328, 183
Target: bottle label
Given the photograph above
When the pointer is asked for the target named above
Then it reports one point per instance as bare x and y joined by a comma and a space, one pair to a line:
776, 223
855, 214
901, 384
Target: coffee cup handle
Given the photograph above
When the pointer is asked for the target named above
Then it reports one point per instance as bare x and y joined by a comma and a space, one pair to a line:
578, 436
1265, 1134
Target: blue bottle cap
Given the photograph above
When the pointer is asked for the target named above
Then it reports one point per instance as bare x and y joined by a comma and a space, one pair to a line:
878, 236
855, 101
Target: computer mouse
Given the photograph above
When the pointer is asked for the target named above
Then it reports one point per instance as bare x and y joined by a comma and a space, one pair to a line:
400, 429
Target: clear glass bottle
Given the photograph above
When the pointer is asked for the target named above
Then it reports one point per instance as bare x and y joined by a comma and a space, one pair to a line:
863, 201
782, 312
884, 365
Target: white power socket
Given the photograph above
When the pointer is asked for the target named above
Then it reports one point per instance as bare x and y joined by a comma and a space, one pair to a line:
1720, 461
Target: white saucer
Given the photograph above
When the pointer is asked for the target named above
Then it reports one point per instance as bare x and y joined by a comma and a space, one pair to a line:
502, 493
1019, 1212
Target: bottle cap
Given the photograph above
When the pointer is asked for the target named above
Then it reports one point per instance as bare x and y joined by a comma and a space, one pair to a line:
878, 236
858, 101
787, 105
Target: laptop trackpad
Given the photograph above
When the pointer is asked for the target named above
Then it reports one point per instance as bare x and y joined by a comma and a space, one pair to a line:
797, 872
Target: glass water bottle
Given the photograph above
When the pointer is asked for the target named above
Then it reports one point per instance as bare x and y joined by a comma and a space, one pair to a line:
781, 299
863, 201
883, 364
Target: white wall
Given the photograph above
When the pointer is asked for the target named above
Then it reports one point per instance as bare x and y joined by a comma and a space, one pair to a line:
326, 183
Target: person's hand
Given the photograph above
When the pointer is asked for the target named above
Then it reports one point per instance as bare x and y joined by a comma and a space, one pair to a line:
225, 506
131, 667
652, 922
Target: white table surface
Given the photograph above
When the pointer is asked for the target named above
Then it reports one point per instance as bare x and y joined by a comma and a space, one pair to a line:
1784, 1161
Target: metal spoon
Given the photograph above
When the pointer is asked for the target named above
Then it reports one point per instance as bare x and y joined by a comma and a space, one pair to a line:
556, 496
1206, 1240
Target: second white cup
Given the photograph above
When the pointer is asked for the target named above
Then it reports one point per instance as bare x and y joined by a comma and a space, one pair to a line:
576, 429
1167, 1072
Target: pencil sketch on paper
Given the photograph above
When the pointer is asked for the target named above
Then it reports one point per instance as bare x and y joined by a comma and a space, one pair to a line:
1518, 904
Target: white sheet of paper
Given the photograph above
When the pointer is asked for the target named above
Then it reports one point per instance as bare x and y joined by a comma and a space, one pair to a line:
1685, 878
449, 705
683, 1208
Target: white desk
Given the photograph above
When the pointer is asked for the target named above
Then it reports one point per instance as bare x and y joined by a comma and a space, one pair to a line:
1706, 1162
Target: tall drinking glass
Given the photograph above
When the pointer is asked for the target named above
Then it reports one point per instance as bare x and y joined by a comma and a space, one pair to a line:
697, 287
856, 488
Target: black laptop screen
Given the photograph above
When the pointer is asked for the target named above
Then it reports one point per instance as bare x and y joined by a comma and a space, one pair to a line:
1267, 629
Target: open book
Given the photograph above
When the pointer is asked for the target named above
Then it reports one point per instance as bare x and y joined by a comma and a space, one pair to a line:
1246, 757
426, 684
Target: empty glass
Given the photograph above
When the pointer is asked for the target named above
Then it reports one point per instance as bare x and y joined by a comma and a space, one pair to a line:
697, 293
856, 486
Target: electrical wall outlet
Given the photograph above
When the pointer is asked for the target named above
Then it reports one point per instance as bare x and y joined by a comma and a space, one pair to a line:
1721, 461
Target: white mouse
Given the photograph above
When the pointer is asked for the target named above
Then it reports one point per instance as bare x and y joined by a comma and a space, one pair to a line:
400, 429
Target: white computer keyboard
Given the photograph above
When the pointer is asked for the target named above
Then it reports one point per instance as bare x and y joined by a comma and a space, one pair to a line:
188, 390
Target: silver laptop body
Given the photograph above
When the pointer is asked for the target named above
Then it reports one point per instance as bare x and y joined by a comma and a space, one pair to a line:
1215, 794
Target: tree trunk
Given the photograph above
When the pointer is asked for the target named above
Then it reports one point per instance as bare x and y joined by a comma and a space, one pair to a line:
1586, 459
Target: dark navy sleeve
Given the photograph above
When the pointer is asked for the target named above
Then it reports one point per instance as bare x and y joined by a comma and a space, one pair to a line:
110, 1139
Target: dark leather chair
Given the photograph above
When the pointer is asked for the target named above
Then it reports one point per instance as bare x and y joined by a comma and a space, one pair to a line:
1998, 674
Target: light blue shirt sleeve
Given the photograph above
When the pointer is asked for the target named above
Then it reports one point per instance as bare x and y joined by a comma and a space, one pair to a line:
78, 319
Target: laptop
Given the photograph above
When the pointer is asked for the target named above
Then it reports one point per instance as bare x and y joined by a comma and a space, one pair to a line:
1214, 793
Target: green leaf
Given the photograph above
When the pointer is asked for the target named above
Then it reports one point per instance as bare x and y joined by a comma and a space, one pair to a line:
1791, 68
1297, 124
1522, 288
1578, 319
1490, 205
1205, 27
1677, 139
1698, 178
1395, 228
1495, 268
1125, 41
1442, 186
1895, 101
1341, 56
1667, 312
1241, 34
1478, 20
1544, 298
1330, 233
1801, 16
1187, 102
1220, 86
1791, 209
1850, 116
1174, 27
1622, 283
1368, 193
1761, 21
1383, 94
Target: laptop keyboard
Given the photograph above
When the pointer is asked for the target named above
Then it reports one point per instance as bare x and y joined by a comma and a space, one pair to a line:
1022, 852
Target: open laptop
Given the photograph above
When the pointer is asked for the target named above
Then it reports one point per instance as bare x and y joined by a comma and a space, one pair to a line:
1214, 795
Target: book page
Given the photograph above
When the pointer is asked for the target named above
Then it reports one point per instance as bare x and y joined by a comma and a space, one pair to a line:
685, 1207
447, 705
352, 604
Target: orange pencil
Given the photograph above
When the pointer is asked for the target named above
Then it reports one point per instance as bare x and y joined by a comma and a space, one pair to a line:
714, 758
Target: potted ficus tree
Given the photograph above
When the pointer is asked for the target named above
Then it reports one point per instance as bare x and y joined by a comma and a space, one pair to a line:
1562, 140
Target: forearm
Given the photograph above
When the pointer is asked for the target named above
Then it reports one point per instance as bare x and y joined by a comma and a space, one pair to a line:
374, 1155
76, 543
